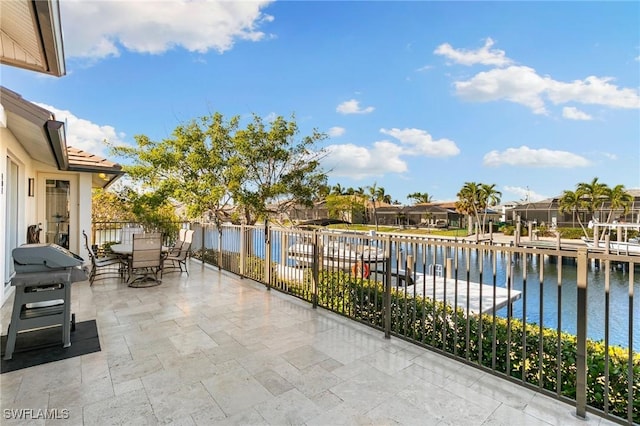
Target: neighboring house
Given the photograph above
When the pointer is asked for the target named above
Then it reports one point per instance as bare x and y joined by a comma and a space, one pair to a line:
42, 181
507, 211
547, 212
299, 213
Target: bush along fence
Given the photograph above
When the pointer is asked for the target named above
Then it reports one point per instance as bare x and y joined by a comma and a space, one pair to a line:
595, 375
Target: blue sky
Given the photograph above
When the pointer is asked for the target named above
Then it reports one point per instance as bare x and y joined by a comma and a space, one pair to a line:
533, 97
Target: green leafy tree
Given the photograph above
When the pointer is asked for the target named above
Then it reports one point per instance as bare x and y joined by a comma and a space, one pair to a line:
194, 166
279, 170
420, 197
343, 207
323, 192
109, 206
150, 210
216, 168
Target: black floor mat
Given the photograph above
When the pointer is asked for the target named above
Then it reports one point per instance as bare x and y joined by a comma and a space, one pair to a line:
42, 346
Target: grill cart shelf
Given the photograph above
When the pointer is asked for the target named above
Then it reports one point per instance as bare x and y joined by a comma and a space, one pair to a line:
43, 278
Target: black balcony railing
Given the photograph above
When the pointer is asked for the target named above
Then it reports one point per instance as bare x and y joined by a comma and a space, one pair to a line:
561, 320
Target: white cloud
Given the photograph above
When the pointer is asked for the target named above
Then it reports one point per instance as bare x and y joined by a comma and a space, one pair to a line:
425, 68
573, 113
353, 107
336, 131
521, 84
517, 84
523, 194
420, 142
85, 135
539, 158
359, 162
99, 29
271, 117
484, 55
608, 155
593, 90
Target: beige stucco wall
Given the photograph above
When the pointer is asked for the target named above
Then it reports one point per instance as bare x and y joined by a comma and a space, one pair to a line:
31, 209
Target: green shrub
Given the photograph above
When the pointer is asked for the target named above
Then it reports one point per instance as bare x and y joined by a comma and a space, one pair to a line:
574, 233
511, 230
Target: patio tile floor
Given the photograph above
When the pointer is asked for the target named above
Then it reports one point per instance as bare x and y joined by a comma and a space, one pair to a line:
210, 348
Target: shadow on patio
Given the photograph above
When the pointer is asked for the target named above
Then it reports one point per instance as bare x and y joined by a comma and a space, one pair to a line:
211, 348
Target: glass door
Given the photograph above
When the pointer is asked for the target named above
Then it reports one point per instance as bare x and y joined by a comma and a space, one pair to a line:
57, 211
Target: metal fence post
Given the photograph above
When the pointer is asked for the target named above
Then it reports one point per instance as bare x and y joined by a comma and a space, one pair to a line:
581, 322
243, 249
202, 246
387, 291
267, 255
315, 271
220, 257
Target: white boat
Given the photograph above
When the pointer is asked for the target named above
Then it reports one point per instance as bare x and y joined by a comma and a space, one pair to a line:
616, 247
339, 255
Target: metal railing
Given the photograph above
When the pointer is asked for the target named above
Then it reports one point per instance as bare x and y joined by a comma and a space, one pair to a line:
103, 234
561, 321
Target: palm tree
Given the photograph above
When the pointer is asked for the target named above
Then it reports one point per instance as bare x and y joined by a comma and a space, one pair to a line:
373, 194
593, 194
420, 197
468, 201
619, 199
572, 202
490, 197
382, 196
337, 189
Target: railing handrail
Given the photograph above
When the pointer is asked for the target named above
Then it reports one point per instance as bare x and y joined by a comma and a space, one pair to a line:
263, 255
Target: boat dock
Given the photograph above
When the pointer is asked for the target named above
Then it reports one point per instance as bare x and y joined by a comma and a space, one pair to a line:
471, 296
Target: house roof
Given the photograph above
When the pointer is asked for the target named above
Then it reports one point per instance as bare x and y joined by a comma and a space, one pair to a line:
36, 128
44, 140
104, 172
31, 36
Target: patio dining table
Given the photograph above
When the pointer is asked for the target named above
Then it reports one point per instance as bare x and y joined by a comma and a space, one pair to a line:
125, 250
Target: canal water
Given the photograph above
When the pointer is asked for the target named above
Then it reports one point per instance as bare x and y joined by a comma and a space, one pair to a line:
539, 301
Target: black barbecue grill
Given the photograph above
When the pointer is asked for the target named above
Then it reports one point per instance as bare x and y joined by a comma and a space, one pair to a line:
44, 273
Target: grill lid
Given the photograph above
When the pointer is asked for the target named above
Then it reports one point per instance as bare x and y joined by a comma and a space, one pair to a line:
43, 257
